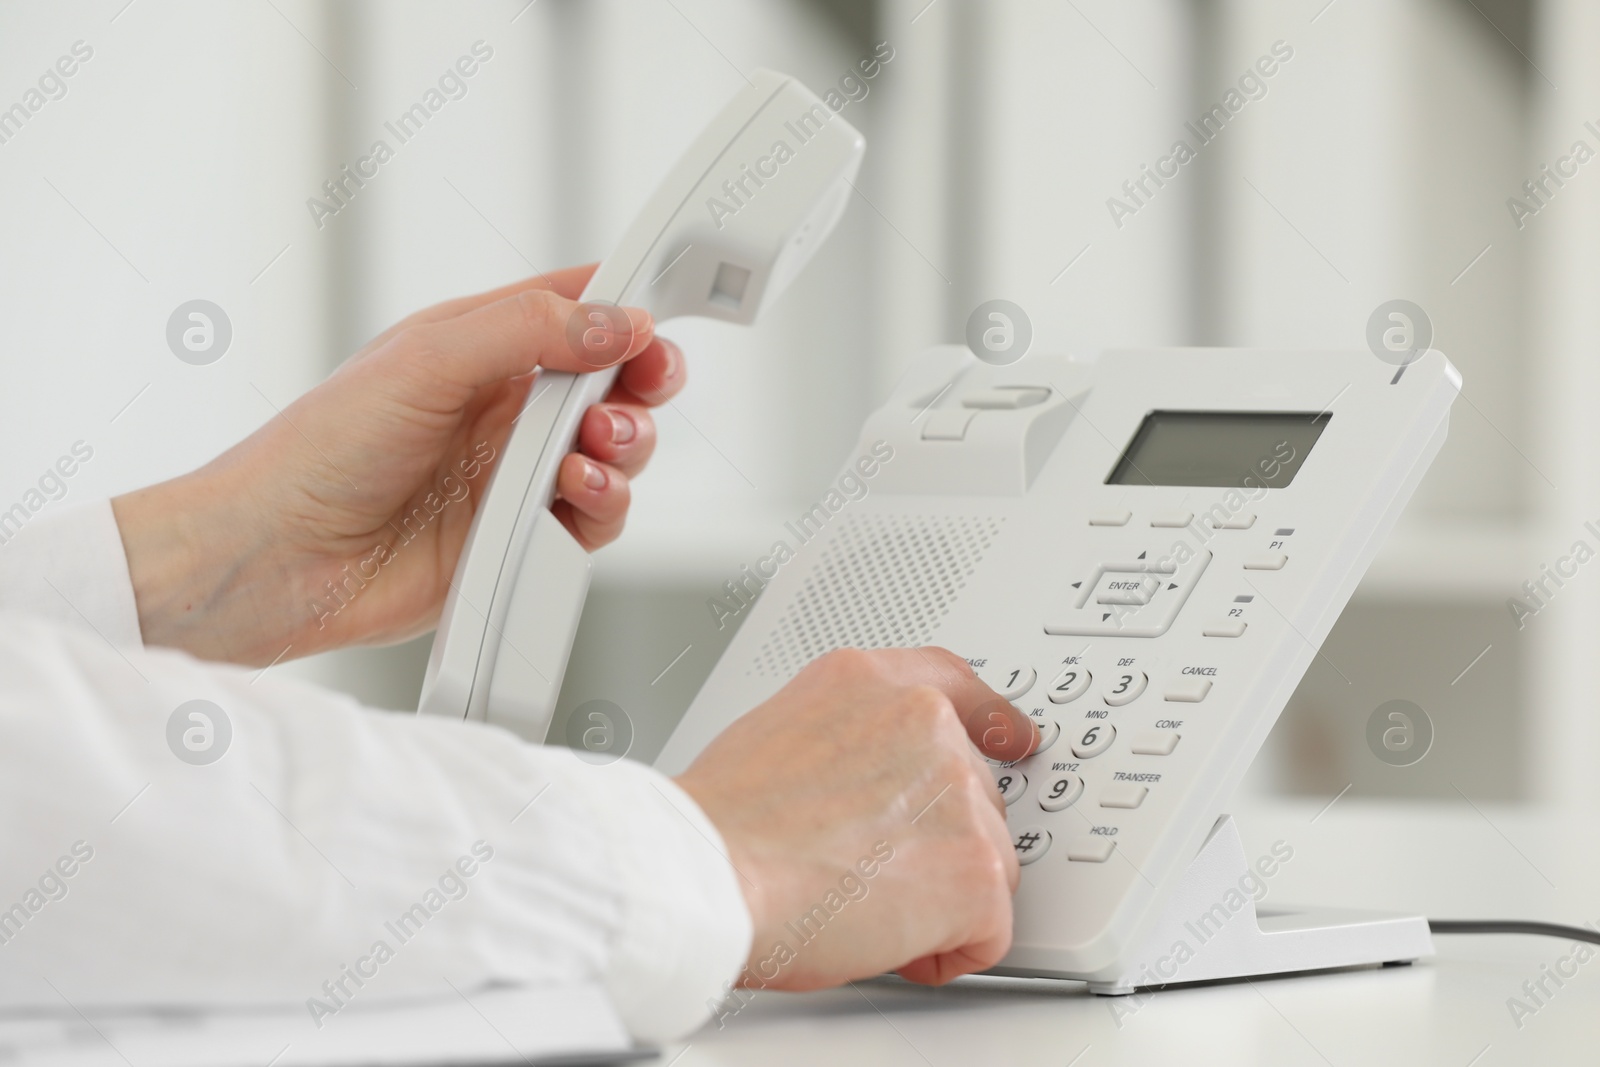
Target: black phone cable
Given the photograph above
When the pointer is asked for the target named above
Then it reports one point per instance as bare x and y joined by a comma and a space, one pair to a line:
1513, 926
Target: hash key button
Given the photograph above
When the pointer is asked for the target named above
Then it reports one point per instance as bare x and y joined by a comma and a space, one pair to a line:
1031, 843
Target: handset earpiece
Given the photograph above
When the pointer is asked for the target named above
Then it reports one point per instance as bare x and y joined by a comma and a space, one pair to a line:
732, 224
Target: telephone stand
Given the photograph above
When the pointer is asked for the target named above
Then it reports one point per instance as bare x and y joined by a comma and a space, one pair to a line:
1213, 930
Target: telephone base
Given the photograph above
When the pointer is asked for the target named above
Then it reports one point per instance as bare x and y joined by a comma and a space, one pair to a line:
1212, 930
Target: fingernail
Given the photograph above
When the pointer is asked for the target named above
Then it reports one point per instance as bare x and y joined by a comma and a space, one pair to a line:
593, 476
641, 321
623, 428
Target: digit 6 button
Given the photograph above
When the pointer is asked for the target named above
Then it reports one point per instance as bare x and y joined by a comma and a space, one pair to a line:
1125, 688
1060, 791
1094, 740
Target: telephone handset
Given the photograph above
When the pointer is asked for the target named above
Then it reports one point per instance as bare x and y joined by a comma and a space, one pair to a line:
732, 224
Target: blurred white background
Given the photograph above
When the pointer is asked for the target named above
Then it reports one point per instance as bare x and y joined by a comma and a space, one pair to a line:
179, 162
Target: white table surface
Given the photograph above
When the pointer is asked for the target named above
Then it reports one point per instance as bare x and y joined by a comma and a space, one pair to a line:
1444, 861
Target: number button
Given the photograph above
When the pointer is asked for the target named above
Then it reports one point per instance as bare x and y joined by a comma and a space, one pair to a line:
1009, 680
1049, 730
1060, 791
1012, 784
1031, 842
1126, 688
1069, 685
1095, 740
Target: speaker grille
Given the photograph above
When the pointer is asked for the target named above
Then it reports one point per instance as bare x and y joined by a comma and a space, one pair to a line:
883, 581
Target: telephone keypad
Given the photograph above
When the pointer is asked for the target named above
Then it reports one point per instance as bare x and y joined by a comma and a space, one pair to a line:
1093, 736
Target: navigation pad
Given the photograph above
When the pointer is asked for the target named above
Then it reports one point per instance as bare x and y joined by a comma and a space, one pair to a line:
1129, 598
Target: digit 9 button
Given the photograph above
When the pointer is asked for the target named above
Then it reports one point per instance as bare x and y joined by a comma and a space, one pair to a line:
1060, 791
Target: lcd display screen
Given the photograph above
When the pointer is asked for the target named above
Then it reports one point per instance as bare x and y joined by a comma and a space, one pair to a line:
1224, 449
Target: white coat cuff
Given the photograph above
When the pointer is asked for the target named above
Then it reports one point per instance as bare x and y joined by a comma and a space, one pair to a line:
685, 931
68, 565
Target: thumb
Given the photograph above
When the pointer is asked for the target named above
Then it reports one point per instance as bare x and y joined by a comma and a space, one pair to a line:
513, 336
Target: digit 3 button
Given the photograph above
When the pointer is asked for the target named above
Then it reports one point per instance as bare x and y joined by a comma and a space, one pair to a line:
1094, 740
1011, 782
1125, 688
1010, 680
1069, 685
1060, 791
1031, 843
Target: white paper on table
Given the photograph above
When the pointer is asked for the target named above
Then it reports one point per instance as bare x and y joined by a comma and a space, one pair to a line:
505, 1025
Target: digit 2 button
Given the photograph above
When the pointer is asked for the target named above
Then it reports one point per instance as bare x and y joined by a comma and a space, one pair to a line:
1069, 685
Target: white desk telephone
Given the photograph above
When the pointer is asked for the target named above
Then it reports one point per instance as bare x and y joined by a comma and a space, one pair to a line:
1144, 551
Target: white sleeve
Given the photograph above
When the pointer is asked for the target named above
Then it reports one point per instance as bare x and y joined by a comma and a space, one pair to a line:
68, 564
327, 853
